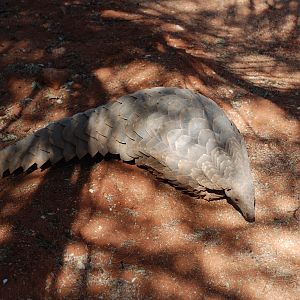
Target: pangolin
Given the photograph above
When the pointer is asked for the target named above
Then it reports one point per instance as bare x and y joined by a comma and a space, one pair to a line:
183, 136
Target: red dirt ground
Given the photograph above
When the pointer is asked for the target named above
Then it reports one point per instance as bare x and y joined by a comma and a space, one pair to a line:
96, 229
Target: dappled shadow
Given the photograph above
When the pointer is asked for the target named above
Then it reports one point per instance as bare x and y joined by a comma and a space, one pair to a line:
111, 230
40, 213
244, 49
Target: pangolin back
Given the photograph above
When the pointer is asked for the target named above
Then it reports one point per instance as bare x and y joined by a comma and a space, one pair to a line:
183, 136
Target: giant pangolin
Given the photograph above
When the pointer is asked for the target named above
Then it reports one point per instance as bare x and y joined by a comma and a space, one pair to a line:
183, 136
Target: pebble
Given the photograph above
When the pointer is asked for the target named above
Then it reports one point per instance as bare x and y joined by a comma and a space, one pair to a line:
6, 137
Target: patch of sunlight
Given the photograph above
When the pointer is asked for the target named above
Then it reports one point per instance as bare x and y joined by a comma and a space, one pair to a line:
68, 282
81, 220
5, 233
117, 14
279, 207
178, 6
170, 27
216, 259
166, 284
103, 231
17, 84
100, 258
284, 205
104, 74
139, 186
242, 271
74, 178
261, 68
11, 209
69, 279
251, 61
267, 118
76, 255
147, 73
141, 190
280, 241
50, 279
128, 77
265, 288
288, 245
150, 11
175, 42
98, 281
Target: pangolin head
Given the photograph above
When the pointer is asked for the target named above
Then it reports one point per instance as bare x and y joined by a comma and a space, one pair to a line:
242, 196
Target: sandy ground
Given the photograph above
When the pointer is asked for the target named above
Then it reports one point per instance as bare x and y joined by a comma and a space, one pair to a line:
102, 229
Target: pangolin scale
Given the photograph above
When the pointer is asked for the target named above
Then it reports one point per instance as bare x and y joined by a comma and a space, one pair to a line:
181, 135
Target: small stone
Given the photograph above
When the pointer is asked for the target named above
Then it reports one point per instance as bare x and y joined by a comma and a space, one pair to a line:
59, 101
58, 51
91, 191
5, 280
35, 85
6, 137
43, 217
25, 101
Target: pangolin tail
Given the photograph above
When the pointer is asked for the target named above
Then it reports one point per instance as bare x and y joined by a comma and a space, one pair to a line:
90, 132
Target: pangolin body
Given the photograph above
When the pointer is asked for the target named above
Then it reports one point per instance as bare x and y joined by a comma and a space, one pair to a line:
183, 136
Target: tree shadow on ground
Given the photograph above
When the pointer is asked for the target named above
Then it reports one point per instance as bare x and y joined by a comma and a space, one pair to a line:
112, 49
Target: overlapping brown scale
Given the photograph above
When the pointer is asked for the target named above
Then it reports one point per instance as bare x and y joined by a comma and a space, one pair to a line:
155, 122
5, 156
126, 109
28, 161
92, 146
102, 144
139, 127
92, 122
56, 136
80, 128
28, 148
56, 154
69, 151
68, 131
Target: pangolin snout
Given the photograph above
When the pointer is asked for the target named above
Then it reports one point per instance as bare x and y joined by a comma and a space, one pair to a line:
249, 217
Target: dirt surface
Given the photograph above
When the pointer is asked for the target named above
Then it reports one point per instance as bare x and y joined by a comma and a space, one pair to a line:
103, 229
